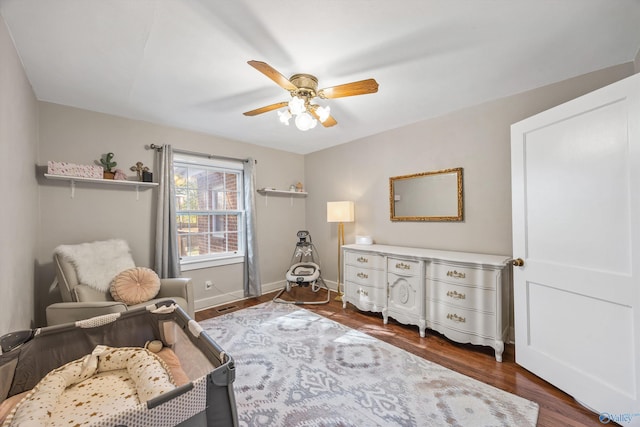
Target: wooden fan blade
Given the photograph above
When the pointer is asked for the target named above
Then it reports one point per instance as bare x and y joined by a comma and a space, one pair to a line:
327, 123
273, 74
350, 89
266, 109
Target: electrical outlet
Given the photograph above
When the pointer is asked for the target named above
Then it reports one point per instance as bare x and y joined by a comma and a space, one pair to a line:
208, 285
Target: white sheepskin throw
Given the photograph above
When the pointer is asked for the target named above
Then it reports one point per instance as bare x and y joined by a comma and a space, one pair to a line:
98, 263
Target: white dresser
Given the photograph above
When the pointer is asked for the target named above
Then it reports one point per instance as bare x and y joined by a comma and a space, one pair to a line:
464, 296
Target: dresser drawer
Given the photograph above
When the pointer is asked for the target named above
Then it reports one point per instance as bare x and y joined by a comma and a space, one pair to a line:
463, 275
461, 319
403, 267
364, 276
462, 296
364, 260
365, 297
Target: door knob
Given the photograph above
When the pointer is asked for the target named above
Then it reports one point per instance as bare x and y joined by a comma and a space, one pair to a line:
518, 262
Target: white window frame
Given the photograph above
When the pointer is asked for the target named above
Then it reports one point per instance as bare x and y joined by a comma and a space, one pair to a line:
214, 260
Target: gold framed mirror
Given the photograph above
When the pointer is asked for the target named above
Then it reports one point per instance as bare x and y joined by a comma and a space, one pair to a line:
427, 196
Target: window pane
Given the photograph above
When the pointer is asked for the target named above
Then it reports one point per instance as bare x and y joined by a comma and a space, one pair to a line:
196, 176
232, 188
232, 200
180, 176
185, 247
232, 181
202, 224
215, 180
182, 224
182, 199
232, 223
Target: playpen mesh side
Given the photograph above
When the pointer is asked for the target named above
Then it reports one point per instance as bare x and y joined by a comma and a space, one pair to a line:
170, 413
192, 359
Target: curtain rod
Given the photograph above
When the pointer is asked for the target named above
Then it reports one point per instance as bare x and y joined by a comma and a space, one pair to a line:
195, 153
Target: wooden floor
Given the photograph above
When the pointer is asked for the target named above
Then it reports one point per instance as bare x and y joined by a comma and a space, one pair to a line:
556, 407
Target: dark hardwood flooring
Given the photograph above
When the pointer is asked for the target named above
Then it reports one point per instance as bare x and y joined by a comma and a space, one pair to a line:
556, 407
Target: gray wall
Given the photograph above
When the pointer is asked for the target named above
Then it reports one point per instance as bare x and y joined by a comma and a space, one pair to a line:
18, 189
476, 139
100, 212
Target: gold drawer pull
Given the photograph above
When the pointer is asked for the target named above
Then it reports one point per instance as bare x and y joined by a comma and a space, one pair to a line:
456, 318
362, 275
456, 275
403, 266
456, 295
363, 259
363, 293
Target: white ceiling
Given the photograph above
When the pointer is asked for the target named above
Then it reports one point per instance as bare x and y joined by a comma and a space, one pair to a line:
183, 63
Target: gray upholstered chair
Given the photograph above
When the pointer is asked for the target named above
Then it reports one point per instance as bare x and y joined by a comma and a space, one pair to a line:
99, 263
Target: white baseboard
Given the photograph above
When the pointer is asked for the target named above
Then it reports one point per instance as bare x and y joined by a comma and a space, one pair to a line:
204, 303
238, 295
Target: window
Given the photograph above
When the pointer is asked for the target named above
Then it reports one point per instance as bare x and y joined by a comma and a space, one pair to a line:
209, 211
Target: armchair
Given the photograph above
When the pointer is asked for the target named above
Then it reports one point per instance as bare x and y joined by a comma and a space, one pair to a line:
84, 272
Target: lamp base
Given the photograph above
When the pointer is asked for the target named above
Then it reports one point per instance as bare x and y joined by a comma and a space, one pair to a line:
339, 296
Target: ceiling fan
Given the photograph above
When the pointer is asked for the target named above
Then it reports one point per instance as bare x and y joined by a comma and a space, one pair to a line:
303, 89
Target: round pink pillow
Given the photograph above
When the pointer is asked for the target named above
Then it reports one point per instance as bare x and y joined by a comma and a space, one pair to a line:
135, 285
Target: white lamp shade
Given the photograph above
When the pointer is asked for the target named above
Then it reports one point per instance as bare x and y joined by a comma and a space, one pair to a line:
340, 211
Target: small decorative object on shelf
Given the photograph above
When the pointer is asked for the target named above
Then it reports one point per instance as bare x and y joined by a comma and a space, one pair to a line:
292, 188
120, 175
108, 165
140, 170
72, 169
299, 188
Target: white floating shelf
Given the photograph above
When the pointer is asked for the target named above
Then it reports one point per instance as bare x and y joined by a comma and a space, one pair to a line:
288, 192
267, 191
117, 182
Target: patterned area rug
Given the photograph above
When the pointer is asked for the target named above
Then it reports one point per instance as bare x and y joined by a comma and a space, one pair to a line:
296, 368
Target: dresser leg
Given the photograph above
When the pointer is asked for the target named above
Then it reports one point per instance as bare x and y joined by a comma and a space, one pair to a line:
422, 326
385, 317
499, 347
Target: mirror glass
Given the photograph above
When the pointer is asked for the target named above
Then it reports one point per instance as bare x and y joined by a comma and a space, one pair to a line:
427, 196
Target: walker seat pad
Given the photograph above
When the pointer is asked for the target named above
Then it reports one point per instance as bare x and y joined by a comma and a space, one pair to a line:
303, 272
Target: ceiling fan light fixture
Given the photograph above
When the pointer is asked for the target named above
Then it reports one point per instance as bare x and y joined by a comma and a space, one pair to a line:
284, 117
303, 88
304, 121
296, 105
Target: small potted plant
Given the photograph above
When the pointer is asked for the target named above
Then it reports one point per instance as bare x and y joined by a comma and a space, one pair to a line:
108, 165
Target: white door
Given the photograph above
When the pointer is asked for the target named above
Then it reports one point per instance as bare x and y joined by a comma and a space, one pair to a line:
576, 225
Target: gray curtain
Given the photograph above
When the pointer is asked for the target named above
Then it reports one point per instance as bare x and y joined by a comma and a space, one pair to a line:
252, 283
167, 263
